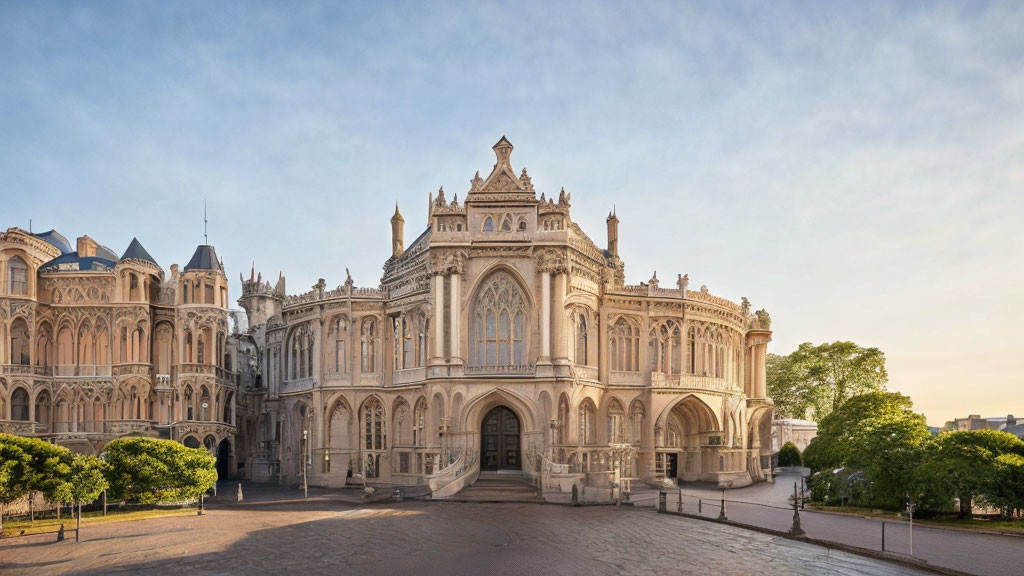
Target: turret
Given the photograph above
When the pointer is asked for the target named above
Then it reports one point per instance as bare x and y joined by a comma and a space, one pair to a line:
260, 301
613, 233
397, 227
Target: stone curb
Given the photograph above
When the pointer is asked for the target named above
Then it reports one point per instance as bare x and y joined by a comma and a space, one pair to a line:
900, 559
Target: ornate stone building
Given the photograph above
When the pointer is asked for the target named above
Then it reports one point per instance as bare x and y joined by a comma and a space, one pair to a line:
502, 338
94, 346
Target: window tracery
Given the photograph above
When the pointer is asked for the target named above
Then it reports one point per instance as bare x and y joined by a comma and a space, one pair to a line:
624, 346
499, 322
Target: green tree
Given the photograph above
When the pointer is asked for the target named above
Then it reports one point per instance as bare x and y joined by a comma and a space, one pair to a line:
152, 470
43, 465
15, 465
876, 433
815, 380
963, 464
82, 483
1007, 490
789, 455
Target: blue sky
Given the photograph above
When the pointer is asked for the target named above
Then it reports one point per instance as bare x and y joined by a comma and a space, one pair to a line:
857, 169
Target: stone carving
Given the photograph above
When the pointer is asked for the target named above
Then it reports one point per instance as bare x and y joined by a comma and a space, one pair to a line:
764, 321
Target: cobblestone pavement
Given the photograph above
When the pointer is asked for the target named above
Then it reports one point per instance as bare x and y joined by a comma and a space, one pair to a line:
429, 538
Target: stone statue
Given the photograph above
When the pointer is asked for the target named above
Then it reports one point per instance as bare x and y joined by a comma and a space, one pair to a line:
683, 282
746, 306
764, 321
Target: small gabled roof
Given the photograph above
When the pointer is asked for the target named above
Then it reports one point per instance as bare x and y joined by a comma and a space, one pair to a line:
205, 258
135, 251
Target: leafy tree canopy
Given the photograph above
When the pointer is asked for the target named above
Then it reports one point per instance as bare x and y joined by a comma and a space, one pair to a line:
152, 470
966, 464
789, 455
813, 381
877, 433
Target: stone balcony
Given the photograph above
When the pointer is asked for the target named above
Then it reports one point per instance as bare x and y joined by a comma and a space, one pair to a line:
24, 370
690, 382
82, 371
205, 369
510, 370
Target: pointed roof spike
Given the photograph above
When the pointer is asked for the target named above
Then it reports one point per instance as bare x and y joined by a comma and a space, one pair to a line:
398, 215
135, 251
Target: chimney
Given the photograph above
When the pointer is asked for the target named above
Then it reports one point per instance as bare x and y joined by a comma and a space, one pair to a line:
1010, 420
397, 225
86, 247
613, 233
174, 272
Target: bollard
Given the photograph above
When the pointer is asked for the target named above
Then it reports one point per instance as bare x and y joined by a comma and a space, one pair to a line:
60, 533
397, 494
661, 500
721, 512
575, 496
883, 536
796, 530
700, 506
680, 505
104, 502
238, 495
201, 512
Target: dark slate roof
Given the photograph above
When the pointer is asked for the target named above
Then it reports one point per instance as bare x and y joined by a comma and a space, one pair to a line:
106, 253
55, 239
87, 263
135, 251
205, 258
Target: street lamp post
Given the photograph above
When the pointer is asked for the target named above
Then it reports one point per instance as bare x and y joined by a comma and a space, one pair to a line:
305, 442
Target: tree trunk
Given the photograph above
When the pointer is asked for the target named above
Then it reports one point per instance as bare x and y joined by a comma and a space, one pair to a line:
1, 519
965, 507
31, 507
78, 523
58, 511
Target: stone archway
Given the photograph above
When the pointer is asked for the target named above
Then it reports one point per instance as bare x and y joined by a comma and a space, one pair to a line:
224, 460
500, 440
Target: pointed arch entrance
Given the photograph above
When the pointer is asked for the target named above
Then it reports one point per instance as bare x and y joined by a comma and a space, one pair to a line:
499, 440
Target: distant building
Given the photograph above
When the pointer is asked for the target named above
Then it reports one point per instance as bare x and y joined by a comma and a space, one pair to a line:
799, 432
976, 422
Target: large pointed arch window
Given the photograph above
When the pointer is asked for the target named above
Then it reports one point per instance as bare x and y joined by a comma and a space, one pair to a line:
499, 323
624, 346
18, 272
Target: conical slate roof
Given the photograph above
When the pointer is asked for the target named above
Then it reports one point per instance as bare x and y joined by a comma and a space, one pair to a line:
205, 258
135, 251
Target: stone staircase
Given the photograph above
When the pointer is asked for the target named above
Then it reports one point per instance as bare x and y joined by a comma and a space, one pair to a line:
500, 486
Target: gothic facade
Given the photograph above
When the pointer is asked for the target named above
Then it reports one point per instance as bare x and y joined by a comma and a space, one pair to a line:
501, 339
94, 346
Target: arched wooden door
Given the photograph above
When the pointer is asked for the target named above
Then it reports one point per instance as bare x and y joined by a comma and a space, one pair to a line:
499, 448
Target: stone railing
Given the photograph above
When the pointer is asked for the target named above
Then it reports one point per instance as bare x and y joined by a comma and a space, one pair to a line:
625, 377
463, 471
585, 372
80, 370
207, 369
21, 427
132, 369
510, 370
300, 385
712, 299
409, 375
690, 382
24, 370
339, 292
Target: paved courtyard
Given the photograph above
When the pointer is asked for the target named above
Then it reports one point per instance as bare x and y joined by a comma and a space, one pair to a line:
429, 538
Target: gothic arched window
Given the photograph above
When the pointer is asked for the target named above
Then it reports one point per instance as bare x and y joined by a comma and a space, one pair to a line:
506, 223
340, 330
18, 276
419, 415
368, 342
373, 425
581, 339
499, 322
624, 346
586, 421
616, 424
488, 224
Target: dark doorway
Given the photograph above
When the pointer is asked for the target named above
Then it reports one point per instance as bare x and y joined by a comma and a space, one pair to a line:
672, 465
223, 460
500, 440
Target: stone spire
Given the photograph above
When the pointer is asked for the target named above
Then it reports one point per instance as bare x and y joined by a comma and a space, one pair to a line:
613, 233
397, 229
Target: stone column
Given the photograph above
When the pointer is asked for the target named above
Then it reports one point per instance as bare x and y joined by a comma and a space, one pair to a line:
761, 388
558, 321
453, 318
438, 320
545, 316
